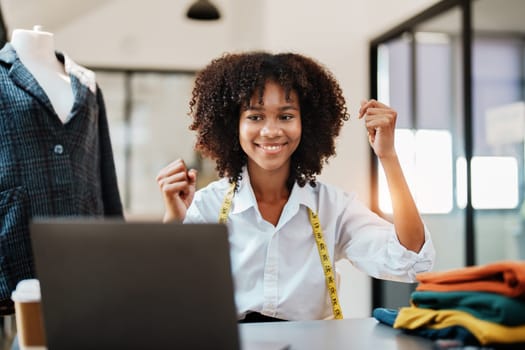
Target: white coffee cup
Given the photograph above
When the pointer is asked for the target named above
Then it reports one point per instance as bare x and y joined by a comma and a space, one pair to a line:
28, 313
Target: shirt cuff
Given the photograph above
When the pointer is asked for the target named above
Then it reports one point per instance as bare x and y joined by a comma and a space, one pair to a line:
407, 262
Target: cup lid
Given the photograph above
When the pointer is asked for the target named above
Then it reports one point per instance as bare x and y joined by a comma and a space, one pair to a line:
27, 291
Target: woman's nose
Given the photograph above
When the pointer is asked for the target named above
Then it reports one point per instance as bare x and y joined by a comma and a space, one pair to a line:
271, 129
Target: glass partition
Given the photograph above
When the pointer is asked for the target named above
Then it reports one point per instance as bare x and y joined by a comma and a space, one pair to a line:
439, 133
498, 117
419, 72
455, 73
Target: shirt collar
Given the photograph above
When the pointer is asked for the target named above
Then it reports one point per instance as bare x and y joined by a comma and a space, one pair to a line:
84, 75
8, 54
245, 198
305, 195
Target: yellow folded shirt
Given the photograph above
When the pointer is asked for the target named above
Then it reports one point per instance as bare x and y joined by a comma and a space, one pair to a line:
486, 332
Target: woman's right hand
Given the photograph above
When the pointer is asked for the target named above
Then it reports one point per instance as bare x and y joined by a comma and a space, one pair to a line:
177, 186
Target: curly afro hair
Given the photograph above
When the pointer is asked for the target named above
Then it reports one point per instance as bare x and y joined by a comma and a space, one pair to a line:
230, 81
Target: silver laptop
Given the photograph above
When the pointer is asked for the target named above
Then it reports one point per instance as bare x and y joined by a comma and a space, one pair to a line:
118, 285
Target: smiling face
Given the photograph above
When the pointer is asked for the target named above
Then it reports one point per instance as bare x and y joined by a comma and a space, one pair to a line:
270, 131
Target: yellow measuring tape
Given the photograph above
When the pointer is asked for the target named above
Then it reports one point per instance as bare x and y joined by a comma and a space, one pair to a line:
226, 204
321, 247
327, 265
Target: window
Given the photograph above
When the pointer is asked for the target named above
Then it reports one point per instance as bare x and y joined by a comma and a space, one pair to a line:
426, 159
435, 168
494, 183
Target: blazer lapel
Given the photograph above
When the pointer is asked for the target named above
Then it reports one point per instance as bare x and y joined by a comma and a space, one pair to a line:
25, 80
20, 76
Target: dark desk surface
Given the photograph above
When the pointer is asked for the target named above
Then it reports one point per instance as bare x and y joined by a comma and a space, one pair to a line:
346, 334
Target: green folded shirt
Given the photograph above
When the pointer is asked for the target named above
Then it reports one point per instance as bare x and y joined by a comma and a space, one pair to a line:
490, 307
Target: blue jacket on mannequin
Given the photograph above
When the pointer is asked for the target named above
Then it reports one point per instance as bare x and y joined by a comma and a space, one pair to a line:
48, 168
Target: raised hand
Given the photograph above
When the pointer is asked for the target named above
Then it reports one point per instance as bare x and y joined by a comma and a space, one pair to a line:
380, 121
177, 185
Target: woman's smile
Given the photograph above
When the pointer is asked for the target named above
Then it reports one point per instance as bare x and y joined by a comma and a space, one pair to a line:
273, 148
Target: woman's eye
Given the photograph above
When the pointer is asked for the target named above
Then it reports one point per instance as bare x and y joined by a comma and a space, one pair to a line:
287, 117
254, 117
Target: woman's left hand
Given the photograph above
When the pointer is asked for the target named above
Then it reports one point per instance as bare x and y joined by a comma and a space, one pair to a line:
380, 121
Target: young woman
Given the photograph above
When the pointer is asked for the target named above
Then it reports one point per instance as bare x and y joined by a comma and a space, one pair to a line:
270, 123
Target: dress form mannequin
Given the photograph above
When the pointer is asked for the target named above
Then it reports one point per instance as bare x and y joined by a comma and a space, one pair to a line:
56, 159
36, 51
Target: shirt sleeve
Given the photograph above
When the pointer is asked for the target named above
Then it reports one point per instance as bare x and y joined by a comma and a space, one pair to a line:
110, 190
193, 215
371, 244
202, 209
207, 203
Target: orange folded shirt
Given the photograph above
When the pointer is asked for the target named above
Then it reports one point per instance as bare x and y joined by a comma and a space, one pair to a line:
505, 277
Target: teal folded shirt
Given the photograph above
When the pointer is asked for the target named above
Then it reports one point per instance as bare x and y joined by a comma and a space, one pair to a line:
490, 307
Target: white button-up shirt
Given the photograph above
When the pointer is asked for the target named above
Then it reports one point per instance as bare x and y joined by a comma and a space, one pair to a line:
277, 269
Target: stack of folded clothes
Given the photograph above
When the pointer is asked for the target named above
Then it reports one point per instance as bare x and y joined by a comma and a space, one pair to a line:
477, 305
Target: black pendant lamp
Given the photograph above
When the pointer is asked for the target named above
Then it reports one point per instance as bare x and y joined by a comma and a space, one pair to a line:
203, 10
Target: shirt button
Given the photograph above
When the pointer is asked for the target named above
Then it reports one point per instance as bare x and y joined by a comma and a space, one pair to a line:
58, 149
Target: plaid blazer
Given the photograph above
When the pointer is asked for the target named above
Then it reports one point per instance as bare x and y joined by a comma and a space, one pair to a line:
48, 168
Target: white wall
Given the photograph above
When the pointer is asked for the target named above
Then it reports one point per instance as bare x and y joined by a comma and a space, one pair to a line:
155, 34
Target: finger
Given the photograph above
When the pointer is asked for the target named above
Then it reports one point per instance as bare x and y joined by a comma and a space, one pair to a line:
385, 117
172, 168
371, 135
368, 105
379, 110
378, 104
365, 105
378, 123
173, 178
192, 177
177, 188
361, 110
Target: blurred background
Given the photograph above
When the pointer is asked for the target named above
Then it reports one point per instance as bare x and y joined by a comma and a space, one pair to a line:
145, 54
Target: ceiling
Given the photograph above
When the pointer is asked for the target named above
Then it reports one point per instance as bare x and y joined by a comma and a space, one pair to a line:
51, 14
487, 15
